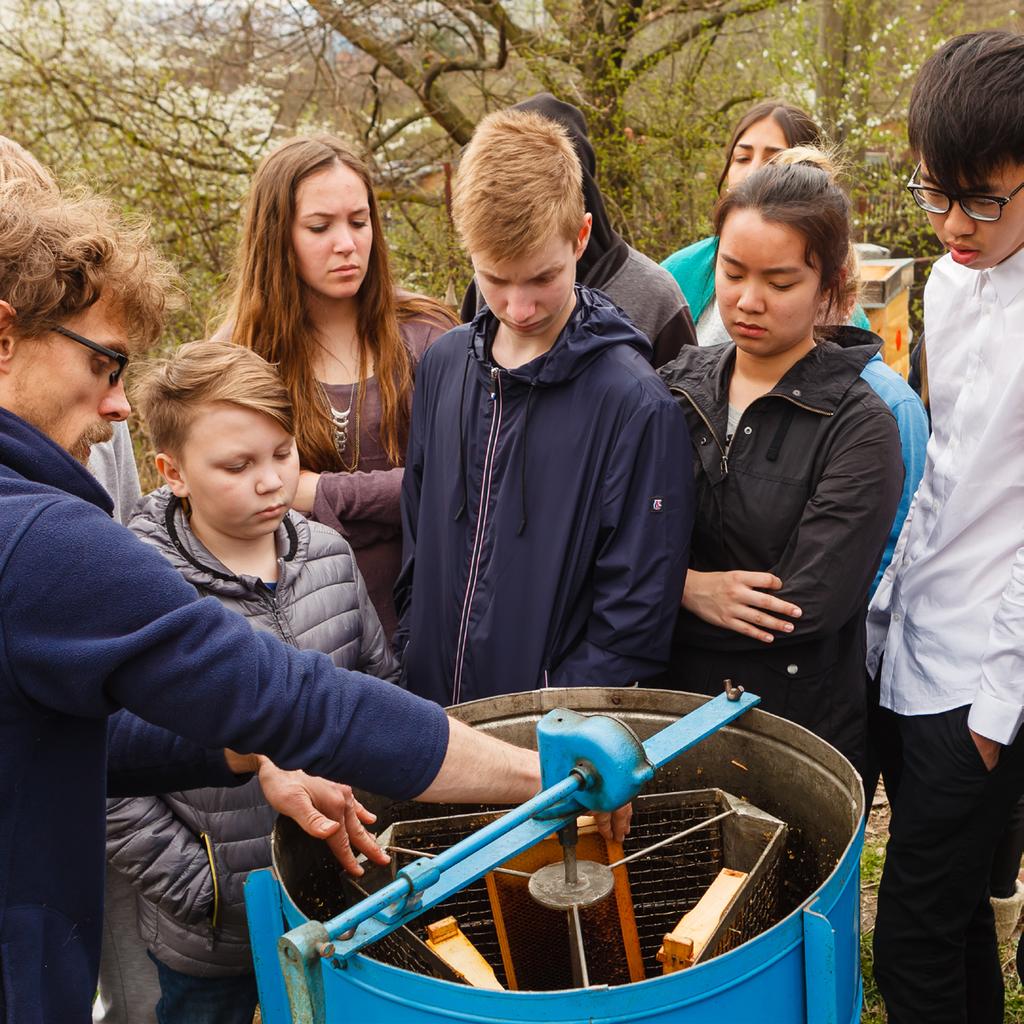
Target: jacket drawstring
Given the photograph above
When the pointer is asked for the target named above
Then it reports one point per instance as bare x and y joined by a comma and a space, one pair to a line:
522, 461
780, 434
462, 439
172, 533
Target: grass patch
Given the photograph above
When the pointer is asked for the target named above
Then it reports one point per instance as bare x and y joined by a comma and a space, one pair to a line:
871, 863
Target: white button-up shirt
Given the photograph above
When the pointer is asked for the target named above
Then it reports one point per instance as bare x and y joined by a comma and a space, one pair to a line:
949, 612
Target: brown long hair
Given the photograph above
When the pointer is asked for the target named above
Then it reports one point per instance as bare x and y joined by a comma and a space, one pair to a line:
268, 312
798, 128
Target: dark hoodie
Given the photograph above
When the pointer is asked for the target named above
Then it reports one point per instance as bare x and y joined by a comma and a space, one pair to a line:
93, 621
807, 491
547, 512
645, 292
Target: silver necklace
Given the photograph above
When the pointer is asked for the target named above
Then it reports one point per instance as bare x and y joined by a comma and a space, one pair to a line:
341, 418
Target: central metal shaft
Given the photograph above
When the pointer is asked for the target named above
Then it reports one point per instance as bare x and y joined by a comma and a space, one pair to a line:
569, 837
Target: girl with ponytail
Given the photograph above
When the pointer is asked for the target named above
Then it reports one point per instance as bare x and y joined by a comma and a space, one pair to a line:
797, 460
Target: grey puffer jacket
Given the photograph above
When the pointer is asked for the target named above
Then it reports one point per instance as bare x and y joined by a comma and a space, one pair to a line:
188, 853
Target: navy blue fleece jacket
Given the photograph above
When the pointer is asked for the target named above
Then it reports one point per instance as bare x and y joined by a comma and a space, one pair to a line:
94, 623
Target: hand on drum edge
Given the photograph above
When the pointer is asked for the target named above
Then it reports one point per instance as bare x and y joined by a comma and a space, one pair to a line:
325, 810
736, 600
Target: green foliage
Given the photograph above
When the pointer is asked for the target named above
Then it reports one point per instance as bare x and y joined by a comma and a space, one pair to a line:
168, 106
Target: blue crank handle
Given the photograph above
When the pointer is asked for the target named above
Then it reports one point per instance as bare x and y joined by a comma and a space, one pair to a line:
688, 731
423, 874
592, 762
455, 878
614, 761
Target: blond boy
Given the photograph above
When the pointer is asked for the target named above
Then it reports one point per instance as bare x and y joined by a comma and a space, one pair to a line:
547, 501
221, 421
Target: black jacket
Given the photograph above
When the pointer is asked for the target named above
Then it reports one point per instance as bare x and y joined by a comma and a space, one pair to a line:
807, 491
546, 513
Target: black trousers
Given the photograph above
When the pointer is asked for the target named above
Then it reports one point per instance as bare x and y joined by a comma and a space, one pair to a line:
936, 958
1009, 851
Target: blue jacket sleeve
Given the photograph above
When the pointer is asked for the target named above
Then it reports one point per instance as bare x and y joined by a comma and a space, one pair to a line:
143, 759
912, 421
637, 581
107, 624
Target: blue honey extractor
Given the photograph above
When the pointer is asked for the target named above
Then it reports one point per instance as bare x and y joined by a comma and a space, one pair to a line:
803, 967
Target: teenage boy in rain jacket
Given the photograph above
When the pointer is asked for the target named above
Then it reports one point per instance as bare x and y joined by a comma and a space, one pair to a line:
547, 501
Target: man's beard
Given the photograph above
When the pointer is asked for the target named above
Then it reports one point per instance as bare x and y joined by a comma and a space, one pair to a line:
96, 434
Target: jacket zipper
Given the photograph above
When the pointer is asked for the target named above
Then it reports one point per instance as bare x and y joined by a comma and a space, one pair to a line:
724, 457
204, 838
801, 405
478, 537
711, 429
283, 628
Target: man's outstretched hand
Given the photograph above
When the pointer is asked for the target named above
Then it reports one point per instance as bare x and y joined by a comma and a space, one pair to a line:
325, 810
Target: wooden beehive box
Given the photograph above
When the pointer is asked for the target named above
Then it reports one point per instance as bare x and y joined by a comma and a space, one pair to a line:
885, 296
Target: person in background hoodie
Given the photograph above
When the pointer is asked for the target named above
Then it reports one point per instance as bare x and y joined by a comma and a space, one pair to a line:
547, 499
798, 462
645, 292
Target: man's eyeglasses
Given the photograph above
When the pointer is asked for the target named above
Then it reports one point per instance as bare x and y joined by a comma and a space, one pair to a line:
118, 357
977, 207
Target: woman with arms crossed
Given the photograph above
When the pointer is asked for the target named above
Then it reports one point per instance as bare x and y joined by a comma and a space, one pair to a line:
797, 460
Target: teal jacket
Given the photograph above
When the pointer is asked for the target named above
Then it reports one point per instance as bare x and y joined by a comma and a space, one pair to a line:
694, 271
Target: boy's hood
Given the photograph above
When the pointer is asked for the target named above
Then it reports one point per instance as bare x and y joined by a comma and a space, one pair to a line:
159, 519
606, 251
596, 324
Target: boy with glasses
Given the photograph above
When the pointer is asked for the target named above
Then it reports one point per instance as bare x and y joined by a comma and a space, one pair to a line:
946, 628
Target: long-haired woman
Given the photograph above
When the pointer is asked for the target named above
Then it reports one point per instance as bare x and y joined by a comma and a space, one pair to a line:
312, 291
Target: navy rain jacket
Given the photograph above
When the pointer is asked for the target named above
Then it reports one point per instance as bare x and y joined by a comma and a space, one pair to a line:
93, 621
546, 512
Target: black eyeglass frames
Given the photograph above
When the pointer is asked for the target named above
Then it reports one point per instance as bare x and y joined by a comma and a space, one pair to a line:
118, 357
976, 206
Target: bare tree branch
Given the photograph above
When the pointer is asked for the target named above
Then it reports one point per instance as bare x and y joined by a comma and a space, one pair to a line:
443, 109
705, 24
447, 66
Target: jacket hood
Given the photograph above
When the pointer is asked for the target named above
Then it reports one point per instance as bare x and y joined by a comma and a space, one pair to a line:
33, 455
606, 251
596, 324
160, 520
849, 336
820, 380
